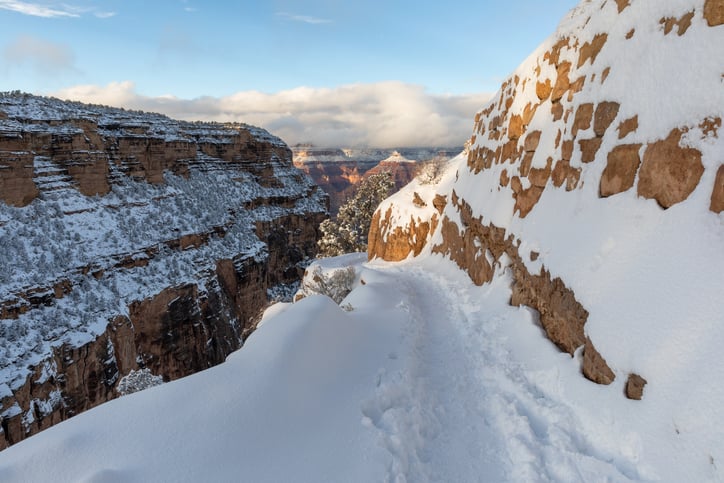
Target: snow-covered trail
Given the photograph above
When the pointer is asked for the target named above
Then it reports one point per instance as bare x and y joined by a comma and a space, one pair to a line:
462, 408
423, 377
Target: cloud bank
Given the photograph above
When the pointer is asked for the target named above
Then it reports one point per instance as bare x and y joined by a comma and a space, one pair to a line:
384, 114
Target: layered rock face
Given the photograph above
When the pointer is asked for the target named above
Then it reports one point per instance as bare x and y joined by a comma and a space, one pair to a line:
339, 170
587, 156
133, 241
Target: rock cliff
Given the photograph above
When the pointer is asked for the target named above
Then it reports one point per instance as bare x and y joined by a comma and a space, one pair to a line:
133, 241
597, 153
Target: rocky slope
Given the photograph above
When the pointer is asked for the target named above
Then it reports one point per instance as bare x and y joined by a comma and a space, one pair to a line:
601, 154
339, 170
132, 241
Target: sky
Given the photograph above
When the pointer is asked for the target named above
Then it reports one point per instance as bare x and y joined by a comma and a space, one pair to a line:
378, 73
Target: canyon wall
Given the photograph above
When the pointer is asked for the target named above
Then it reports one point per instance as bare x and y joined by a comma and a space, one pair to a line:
134, 242
588, 164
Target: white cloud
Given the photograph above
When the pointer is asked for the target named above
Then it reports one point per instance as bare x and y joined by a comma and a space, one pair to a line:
384, 114
105, 14
45, 57
37, 10
303, 18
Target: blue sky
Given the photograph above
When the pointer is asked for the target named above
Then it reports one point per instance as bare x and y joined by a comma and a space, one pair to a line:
284, 58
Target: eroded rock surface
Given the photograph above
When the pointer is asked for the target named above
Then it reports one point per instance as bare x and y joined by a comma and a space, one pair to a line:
133, 241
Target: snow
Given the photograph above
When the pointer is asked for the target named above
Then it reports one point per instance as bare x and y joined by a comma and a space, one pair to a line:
419, 375
427, 378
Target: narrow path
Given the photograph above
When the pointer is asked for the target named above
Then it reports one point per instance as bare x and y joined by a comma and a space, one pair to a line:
461, 409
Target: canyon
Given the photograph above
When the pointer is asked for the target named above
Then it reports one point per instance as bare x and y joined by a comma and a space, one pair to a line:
338, 171
134, 242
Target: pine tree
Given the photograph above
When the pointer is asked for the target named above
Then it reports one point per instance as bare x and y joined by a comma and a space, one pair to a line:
348, 232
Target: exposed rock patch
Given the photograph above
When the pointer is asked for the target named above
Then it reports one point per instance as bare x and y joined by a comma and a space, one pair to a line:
717, 196
669, 173
714, 12
635, 387
620, 172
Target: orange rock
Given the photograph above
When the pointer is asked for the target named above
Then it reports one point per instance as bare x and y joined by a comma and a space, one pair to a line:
620, 172
543, 89
526, 164
564, 173
635, 387
595, 367
515, 127
439, 202
504, 178
717, 196
590, 50
622, 4
528, 113
628, 126
563, 83
606, 112
567, 150
714, 12
531, 141
576, 87
582, 121
589, 148
539, 176
556, 111
554, 54
669, 173
710, 126
605, 73
682, 23
417, 201
630, 34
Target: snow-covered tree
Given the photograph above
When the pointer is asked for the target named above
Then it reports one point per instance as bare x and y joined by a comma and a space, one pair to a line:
348, 232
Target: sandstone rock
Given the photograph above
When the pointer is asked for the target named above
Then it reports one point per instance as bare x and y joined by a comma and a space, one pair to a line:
635, 387
622, 4
589, 148
582, 121
515, 127
682, 23
563, 173
595, 367
417, 201
628, 126
556, 111
531, 141
630, 34
604, 74
606, 112
714, 12
620, 172
504, 178
395, 244
543, 89
590, 50
710, 126
717, 195
669, 173
16, 178
439, 202
563, 83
